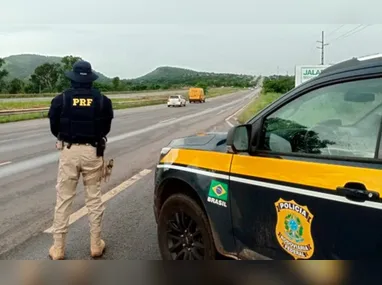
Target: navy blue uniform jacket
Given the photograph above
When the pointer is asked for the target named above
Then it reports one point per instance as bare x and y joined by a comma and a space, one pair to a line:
57, 104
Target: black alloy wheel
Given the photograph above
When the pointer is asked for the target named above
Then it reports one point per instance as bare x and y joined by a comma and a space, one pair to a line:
183, 231
184, 238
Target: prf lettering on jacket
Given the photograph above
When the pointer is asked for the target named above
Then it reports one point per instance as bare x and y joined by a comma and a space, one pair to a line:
82, 102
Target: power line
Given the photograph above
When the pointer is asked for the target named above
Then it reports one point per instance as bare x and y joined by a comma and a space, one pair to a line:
357, 29
349, 33
335, 30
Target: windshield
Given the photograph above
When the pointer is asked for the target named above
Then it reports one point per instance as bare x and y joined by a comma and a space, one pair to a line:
310, 106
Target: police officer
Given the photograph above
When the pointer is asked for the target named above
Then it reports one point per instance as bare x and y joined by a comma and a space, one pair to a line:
80, 119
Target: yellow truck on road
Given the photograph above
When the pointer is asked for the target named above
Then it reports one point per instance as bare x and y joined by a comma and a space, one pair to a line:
196, 95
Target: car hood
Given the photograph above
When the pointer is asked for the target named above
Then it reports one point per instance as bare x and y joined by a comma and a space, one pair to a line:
213, 141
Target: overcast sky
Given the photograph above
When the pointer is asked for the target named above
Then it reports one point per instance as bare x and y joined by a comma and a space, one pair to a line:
131, 38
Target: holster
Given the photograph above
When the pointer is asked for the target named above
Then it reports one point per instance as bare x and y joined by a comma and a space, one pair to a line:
101, 146
107, 169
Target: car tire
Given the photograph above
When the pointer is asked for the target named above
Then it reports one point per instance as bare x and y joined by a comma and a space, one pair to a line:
200, 246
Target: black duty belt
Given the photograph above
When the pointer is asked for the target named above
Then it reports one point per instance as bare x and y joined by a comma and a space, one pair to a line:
74, 143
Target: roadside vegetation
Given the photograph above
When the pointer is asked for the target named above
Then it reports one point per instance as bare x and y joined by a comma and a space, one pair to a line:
117, 102
120, 103
22, 117
51, 95
273, 88
39, 76
18, 105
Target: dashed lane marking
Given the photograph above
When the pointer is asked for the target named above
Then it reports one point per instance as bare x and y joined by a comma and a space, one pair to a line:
106, 197
221, 111
168, 120
5, 163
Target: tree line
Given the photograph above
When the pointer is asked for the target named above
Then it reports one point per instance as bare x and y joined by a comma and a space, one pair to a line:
50, 78
278, 84
47, 78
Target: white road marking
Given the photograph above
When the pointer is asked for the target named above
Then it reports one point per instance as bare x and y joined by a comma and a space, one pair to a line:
168, 120
221, 111
229, 123
227, 120
5, 163
106, 197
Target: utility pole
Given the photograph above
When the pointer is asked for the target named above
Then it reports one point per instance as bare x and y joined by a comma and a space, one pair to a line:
322, 47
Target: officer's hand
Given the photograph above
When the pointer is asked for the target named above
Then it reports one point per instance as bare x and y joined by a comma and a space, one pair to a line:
59, 145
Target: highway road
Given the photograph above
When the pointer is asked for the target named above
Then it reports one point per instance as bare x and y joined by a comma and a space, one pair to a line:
111, 96
28, 169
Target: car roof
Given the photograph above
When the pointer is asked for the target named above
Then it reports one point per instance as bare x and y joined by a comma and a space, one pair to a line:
354, 67
354, 64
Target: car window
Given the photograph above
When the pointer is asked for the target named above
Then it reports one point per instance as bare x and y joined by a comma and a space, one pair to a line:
337, 120
174, 97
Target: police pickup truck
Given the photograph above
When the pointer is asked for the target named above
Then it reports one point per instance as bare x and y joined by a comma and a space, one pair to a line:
300, 180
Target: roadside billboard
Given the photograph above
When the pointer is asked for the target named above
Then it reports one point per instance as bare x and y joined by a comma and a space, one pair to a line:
307, 72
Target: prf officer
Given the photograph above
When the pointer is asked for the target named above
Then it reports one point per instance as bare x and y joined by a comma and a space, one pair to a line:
80, 119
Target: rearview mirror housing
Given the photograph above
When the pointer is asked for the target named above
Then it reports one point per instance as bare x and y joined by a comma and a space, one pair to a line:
238, 138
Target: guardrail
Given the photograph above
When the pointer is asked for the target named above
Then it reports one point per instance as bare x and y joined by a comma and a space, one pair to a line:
23, 111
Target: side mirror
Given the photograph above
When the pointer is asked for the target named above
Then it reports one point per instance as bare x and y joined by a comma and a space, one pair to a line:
238, 138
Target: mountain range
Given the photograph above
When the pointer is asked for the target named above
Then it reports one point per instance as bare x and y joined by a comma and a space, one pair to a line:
22, 66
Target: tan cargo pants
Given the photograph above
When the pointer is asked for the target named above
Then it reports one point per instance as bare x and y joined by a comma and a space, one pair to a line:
74, 161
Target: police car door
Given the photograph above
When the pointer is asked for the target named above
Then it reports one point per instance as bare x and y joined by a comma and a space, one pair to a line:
311, 189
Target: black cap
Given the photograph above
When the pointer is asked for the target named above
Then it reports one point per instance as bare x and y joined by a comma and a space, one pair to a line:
82, 72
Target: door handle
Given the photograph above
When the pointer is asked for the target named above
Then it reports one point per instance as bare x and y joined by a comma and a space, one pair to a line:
358, 192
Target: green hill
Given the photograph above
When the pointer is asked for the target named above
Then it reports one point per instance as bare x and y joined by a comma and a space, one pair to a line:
176, 75
23, 65
165, 72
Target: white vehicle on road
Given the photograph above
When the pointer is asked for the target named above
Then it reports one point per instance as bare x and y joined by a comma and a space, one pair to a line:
176, 100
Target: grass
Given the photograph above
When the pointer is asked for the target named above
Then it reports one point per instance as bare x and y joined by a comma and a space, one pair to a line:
116, 103
215, 92
51, 95
22, 117
120, 103
257, 105
124, 104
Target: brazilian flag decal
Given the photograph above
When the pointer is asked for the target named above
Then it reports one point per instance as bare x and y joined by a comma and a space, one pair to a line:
218, 190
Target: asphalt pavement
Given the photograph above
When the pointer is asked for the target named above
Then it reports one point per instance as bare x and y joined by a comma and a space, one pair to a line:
28, 169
